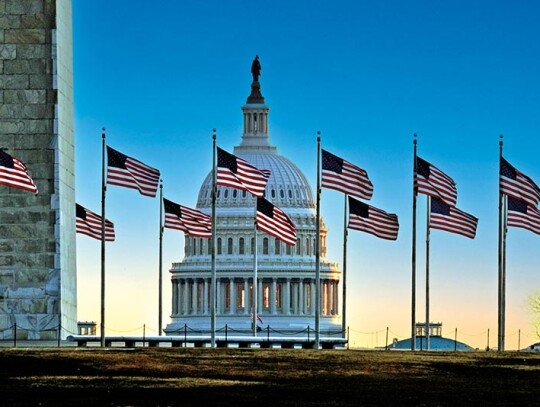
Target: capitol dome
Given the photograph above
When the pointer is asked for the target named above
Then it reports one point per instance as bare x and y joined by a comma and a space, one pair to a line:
284, 295
287, 187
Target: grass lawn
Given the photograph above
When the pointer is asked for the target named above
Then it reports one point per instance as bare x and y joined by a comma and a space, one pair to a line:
206, 377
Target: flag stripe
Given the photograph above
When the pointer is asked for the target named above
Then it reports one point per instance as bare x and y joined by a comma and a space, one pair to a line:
275, 222
89, 224
236, 173
135, 175
521, 215
518, 185
367, 218
13, 173
433, 182
451, 219
345, 177
191, 221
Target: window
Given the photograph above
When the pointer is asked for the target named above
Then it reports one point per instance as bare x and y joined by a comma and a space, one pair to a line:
234, 193
226, 193
194, 243
241, 246
273, 193
265, 245
229, 245
277, 248
244, 194
240, 296
290, 194
200, 246
266, 296
288, 249
308, 247
281, 193
219, 245
252, 247
298, 246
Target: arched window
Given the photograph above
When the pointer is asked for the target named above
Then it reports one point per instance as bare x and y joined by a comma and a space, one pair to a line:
308, 247
277, 246
298, 247
273, 193
241, 246
290, 194
229, 245
244, 194
265, 245
281, 193
219, 245
234, 193
226, 193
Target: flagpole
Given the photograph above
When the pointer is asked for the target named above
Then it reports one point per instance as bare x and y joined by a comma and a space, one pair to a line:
413, 257
160, 273
317, 246
345, 235
103, 189
255, 282
501, 258
213, 242
427, 270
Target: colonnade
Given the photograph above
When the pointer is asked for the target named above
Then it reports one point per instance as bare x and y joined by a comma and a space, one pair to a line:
276, 296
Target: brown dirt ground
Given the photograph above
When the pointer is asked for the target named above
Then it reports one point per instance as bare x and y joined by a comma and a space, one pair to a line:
187, 376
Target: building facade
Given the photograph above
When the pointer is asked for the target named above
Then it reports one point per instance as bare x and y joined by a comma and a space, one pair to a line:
286, 274
37, 232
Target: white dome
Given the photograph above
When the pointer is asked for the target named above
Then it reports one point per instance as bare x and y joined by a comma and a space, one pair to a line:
287, 186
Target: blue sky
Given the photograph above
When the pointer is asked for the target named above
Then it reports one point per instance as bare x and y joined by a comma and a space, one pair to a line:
367, 75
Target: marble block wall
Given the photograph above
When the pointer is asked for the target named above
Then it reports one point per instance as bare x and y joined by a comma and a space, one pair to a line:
37, 232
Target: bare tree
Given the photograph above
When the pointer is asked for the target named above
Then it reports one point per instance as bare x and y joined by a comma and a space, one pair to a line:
534, 308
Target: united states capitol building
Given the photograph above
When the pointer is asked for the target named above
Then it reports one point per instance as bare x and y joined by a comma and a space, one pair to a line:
286, 274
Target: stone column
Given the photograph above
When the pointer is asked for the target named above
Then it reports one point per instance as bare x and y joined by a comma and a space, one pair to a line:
194, 297
286, 303
273, 290
336, 297
301, 301
313, 293
174, 296
185, 307
260, 296
295, 297
205, 297
219, 306
232, 296
247, 297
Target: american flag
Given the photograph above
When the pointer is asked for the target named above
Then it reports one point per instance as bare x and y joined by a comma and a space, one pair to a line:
275, 222
128, 172
369, 219
521, 215
88, 223
13, 173
191, 221
433, 182
516, 184
451, 219
237, 173
345, 177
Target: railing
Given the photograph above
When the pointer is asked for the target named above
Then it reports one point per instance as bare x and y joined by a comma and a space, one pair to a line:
383, 339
